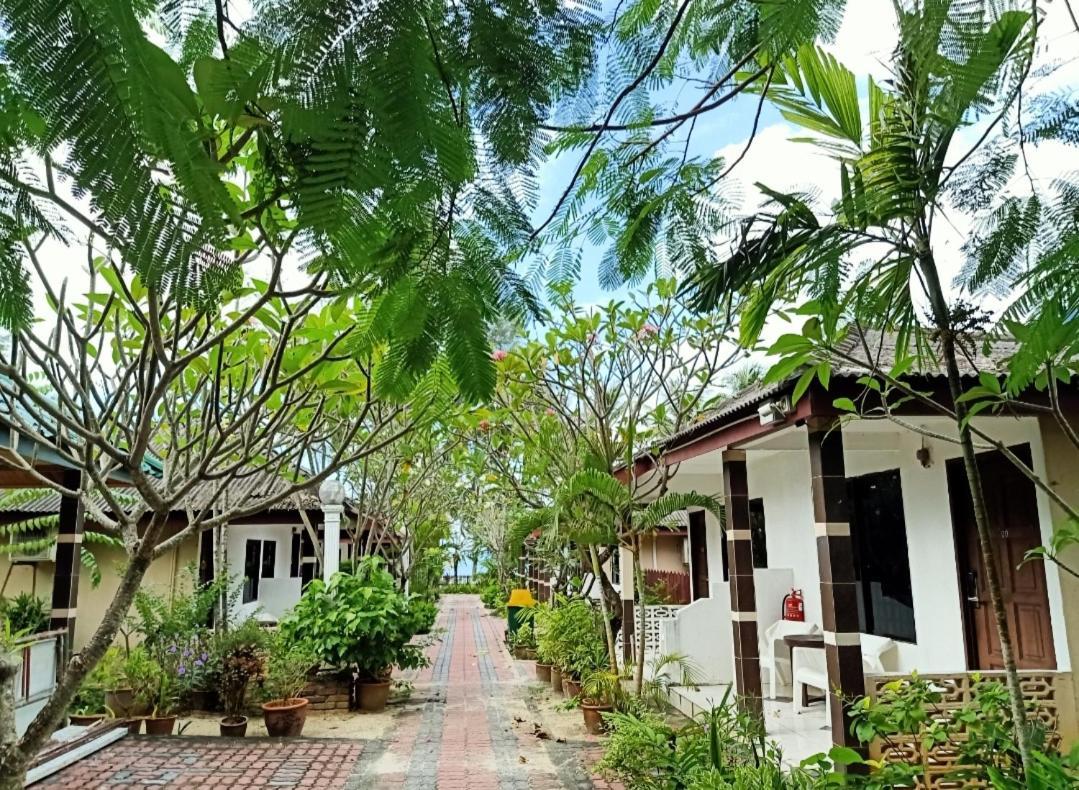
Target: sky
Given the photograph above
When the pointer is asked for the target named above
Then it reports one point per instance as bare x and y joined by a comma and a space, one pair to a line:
864, 44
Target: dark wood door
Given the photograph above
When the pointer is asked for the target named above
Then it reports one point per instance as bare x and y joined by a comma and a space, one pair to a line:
1013, 520
698, 550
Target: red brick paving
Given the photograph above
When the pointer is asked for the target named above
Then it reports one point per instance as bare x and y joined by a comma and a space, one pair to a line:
455, 734
212, 763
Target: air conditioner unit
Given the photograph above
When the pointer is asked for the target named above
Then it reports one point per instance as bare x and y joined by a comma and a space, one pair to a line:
47, 554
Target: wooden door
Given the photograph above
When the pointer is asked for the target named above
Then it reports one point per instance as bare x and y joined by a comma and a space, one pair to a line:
698, 551
1013, 519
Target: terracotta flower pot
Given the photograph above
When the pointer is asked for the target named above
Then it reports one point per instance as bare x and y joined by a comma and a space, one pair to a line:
285, 717
571, 687
233, 726
556, 679
121, 702
85, 719
160, 725
593, 717
543, 672
134, 725
373, 695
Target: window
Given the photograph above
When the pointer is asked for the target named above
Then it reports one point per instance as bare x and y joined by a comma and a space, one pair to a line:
881, 560
757, 534
252, 564
757, 537
616, 566
294, 561
269, 558
260, 559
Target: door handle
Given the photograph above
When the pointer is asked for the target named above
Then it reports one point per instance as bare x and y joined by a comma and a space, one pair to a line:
972, 589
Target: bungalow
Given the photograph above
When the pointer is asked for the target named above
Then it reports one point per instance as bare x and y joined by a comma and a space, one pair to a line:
273, 552
870, 524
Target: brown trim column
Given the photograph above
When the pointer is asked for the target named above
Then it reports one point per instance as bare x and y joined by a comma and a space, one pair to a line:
747, 670
629, 626
65, 581
838, 588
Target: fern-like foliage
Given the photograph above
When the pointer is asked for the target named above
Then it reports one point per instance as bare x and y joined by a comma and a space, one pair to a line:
36, 534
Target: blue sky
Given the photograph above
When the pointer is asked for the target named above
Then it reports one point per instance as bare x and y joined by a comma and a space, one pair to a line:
864, 43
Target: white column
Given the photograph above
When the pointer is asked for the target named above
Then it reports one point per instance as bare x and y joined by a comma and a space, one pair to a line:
332, 495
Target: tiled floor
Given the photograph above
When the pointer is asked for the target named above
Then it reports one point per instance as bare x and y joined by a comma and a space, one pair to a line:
798, 735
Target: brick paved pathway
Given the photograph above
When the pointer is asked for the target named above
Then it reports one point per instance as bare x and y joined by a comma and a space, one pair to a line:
468, 726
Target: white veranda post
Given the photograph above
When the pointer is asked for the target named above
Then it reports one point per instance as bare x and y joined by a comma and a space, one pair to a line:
332, 495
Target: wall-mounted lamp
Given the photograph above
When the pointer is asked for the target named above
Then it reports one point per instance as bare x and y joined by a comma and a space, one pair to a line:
774, 411
923, 455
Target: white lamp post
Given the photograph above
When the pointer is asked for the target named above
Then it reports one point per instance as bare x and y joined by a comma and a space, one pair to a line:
332, 495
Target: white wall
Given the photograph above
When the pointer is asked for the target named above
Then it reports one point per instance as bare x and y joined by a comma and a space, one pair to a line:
781, 479
274, 603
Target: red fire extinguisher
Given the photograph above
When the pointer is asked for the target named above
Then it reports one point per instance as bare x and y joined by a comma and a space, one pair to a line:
794, 606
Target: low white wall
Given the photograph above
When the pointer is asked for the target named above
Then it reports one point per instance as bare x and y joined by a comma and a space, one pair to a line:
702, 630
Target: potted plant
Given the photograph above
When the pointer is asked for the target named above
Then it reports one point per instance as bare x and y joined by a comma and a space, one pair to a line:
600, 692
135, 701
543, 622
239, 661
119, 697
523, 644
360, 623
175, 664
288, 665
89, 704
581, 661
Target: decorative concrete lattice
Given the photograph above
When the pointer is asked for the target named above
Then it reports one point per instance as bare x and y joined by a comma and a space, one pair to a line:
653, 629
1050, 691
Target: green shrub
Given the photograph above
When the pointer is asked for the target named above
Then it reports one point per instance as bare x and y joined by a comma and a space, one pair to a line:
25, 614
726, 748
426, 612
570, 634
466, 588
288, 665
494, 595
359, 620
238, 660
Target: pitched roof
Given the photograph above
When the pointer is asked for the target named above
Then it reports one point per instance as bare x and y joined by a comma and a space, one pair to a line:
47, 500
977, 355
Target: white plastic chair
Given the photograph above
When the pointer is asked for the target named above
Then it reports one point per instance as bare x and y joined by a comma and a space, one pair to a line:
810, 667
772, 651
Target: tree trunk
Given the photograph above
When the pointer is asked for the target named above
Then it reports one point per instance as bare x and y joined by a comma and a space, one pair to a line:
15, 755
642, 616
942, 318
608, 632
12, 769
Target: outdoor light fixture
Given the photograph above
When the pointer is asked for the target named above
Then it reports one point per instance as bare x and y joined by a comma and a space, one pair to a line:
775, 411
923, 456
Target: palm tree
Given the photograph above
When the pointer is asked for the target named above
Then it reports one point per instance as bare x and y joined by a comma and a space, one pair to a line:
953, 62
620, 515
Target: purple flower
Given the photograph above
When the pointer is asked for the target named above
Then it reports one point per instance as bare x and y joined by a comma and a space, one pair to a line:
204, 657
172, 648
181, 670
199, 662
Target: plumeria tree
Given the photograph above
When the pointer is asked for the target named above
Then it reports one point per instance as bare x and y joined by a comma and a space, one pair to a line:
297, 226
594, 394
